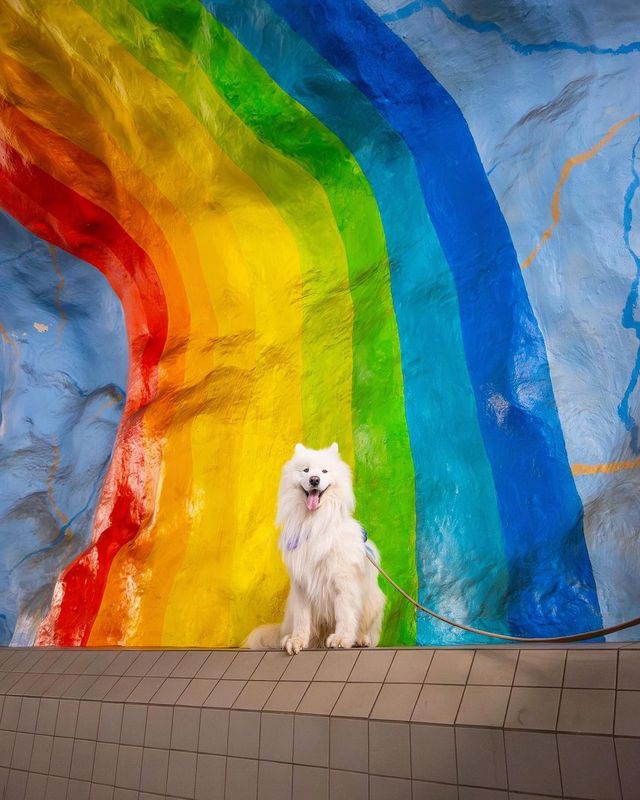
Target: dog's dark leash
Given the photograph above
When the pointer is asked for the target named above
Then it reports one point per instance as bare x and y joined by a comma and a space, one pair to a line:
576, 637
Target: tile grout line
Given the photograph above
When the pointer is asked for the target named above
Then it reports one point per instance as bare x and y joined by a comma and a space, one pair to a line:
613, 732
506, 711
555, 732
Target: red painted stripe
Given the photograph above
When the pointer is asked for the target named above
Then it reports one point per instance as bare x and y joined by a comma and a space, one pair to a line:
67, 220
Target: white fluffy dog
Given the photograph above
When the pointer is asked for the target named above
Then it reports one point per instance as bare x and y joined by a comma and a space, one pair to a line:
334, 598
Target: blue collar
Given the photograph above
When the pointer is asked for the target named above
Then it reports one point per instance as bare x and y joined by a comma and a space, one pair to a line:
292, 544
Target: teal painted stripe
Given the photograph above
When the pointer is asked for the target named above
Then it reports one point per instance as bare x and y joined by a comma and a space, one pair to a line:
459, 553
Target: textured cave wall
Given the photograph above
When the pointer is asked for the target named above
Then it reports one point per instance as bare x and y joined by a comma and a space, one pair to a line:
64, 367
404, 226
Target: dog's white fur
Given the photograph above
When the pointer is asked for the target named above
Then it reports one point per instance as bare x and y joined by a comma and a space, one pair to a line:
334, 598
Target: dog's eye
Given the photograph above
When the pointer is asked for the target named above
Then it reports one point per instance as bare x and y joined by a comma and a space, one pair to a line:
306, 470
324, 470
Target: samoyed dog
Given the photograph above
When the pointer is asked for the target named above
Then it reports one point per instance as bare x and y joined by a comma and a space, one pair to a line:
334, 600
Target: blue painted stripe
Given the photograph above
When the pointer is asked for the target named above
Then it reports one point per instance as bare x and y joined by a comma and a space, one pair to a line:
456, 504
552, 587
524, 48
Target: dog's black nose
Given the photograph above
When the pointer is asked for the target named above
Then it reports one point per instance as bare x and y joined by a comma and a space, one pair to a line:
314, 480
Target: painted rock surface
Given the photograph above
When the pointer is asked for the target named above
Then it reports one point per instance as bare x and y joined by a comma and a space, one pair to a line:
409, 227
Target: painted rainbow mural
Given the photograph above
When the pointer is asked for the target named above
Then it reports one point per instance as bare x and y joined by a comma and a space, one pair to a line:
230, 226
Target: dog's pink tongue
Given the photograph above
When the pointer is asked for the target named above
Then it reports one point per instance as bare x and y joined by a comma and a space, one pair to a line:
313, 500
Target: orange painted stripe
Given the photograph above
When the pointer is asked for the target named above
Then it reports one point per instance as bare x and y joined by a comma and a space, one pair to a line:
610, 467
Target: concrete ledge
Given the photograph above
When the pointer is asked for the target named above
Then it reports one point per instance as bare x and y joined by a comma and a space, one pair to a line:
410, 724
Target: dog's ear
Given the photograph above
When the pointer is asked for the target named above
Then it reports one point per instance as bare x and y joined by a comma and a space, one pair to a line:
334, 447
299, 448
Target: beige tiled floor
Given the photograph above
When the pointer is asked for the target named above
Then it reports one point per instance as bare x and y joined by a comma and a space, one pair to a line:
421, 724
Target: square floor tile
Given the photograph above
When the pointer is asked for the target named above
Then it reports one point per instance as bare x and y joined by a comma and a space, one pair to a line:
433, 753
480, 755
286, 696
304, 666
242, 779
214, 731
197, 691
310, 783
438, 703
540, 668
532, 762
129, 767
629, 669
627, 714
210, 775
396, 701
586, 710
216, 664
588, 767
345, 785
105, 763
243, 666
591, 669
372, 666
244, 734
493, 667
82, 759
320, 697
356, 700
272, 666
628, 757
61, 754
450, 666
311, 740
389, 749
189, 665
484, 706
276, 737
254, 695
336, 665
389, 788
185, 729
224, 694
155, 767
409, 666
533, 707
158, 730
134, 723
181, 777
275, 780
22, 751
349, 744
425, 790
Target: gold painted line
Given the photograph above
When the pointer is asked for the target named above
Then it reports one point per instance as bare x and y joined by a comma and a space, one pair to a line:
569, 165
613, 466
9, 340
52, 471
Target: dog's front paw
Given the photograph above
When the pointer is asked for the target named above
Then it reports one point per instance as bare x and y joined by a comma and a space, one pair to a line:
338, 640
363, 641
294, 644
